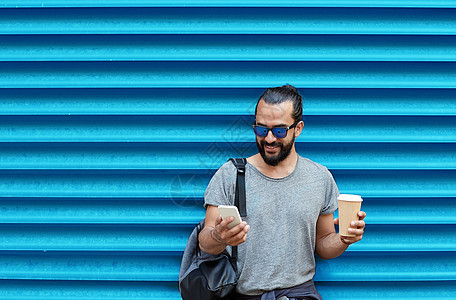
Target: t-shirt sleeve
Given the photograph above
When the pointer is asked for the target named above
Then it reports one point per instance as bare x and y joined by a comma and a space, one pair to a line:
332, 192
221, 188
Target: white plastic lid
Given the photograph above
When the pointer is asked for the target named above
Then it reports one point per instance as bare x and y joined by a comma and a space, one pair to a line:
350, 197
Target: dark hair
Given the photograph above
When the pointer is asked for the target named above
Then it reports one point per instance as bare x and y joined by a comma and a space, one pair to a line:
281, 94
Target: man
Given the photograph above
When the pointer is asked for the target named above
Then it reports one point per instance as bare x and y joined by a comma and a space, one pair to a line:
290, 204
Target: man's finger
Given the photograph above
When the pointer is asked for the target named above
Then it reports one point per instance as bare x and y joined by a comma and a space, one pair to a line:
357, 224
238, 228
361, 215
357, 232
226, 221
241, 236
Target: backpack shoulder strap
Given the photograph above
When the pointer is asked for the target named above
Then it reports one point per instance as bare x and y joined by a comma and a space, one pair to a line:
239, 199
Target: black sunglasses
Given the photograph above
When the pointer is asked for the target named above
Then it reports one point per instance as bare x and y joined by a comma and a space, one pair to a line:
278, 132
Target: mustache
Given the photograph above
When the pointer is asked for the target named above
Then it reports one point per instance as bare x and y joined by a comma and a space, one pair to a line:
275, 144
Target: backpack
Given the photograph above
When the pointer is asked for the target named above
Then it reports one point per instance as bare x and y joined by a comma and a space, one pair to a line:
204, 276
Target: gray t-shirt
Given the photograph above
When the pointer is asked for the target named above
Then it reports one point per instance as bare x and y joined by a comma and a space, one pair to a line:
282, 214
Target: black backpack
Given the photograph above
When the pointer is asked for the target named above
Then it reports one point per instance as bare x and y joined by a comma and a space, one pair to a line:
205, 276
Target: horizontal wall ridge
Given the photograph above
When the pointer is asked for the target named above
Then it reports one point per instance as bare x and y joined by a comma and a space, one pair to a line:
231, 3
140, 267
220, 129
223, 47
276, 20
199, 158
227, 74
222, 102
113, 290
175, 211
188, 185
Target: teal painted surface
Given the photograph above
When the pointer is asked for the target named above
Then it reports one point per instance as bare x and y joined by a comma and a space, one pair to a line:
229, 20
115, 114
229, 3
227, 74
223, 102
159, 129
210, 47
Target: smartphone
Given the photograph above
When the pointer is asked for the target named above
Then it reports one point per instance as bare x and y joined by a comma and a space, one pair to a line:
230, 211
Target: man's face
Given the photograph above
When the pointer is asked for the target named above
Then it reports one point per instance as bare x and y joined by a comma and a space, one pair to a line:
273, 150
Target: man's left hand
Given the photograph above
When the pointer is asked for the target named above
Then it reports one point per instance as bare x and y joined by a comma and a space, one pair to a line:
356, 227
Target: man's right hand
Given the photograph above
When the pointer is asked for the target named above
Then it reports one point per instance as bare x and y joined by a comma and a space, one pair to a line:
215, 235
234, 236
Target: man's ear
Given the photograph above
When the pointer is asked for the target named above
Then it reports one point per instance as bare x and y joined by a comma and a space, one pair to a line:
299, 128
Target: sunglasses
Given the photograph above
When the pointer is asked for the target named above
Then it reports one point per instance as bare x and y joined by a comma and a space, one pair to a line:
278, 132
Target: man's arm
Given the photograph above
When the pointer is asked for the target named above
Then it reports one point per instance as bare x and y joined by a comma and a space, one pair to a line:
330, 244
215, 235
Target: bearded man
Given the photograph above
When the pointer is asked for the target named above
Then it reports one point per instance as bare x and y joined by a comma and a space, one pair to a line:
290, 201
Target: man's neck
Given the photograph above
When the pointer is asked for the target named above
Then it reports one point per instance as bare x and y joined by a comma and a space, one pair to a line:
283, 169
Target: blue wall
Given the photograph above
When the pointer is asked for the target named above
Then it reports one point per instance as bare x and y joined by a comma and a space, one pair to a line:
115, 114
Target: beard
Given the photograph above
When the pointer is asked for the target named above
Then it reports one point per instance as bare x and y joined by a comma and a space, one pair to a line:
275, 159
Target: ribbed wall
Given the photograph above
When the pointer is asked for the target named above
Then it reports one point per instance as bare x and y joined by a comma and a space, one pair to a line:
115, 114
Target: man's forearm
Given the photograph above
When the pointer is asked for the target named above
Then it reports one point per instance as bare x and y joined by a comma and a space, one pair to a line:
330, 246
209, 242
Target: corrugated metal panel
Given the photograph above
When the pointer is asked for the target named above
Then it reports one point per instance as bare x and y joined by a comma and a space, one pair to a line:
115, 114
220, 101
227, 74
229, 3
228, 20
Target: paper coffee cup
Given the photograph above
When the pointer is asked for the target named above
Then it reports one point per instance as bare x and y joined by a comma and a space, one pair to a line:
349, 206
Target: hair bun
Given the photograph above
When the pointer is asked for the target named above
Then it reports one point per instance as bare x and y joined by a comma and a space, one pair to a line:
290, 87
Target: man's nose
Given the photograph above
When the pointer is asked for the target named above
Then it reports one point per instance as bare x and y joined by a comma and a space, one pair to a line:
270, 138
